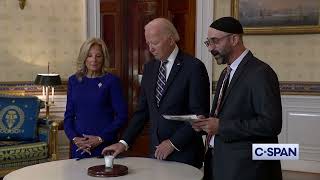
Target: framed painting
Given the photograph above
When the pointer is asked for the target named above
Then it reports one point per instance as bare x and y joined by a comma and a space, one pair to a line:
277, 16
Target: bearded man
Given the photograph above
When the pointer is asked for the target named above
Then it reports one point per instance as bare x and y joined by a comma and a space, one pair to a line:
246, 109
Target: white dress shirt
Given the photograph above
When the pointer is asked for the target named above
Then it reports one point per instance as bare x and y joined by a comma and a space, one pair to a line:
171, 59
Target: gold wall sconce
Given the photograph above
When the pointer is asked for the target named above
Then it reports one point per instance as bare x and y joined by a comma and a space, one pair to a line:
22, 3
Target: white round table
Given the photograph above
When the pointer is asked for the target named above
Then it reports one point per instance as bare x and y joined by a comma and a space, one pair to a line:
139, 169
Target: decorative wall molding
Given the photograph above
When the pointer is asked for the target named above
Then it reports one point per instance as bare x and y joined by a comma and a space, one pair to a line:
301, 122
28, 88
303, 88
292, 88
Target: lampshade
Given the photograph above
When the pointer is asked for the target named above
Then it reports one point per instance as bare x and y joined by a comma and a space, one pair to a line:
48, 79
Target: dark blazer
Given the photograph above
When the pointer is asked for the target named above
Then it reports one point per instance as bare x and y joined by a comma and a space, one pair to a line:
250, 113
186, 92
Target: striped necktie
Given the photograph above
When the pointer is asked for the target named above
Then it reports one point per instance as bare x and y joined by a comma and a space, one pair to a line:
222, 91
161, 82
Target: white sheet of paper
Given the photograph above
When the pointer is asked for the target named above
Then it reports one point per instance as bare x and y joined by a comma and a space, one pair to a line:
188, 118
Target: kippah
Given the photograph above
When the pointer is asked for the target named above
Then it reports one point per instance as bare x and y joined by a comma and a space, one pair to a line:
228, 24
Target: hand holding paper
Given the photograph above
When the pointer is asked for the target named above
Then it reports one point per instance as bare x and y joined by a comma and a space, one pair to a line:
209, 125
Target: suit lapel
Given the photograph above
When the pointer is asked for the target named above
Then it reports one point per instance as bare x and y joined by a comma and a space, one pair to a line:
174, 70
236, 76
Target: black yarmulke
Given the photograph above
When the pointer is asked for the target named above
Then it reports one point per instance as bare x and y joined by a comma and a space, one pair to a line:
228, 24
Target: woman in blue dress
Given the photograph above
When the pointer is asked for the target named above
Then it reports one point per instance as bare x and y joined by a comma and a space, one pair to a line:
96, 108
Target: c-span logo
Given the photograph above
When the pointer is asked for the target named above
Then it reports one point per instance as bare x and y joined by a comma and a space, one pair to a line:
275, 151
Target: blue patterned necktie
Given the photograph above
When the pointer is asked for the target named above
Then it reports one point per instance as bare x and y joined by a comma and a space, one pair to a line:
161, 82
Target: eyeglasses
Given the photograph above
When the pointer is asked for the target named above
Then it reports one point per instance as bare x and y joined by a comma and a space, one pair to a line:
214, 40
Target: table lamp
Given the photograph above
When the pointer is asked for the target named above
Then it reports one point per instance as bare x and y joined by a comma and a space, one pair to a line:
48, 81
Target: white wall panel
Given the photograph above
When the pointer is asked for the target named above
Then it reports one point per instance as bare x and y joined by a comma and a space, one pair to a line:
301, 125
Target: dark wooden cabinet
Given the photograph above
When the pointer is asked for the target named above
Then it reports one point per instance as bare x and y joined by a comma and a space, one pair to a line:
122, 28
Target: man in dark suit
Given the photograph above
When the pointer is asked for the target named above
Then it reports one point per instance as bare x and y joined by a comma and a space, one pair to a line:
246, 109
174, 83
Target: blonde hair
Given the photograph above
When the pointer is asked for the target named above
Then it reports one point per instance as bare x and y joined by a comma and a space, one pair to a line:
82, 69
166, 27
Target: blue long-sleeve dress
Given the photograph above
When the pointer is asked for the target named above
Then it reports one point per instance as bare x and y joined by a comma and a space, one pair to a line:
95, 106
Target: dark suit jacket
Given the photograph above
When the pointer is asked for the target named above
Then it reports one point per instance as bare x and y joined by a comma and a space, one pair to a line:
186, 92
250, 113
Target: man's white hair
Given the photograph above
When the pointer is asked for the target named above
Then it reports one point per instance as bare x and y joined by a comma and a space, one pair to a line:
166, 27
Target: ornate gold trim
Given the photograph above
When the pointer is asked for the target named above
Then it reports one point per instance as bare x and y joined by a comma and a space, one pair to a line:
10, 129
53, 146
28, 88
273, 30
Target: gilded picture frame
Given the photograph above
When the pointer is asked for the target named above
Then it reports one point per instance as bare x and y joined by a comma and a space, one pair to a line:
277, 17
